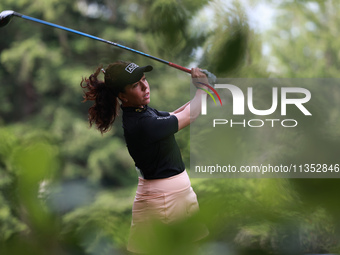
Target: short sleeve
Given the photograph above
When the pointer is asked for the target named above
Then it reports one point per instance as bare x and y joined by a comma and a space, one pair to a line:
159, 127
162, 113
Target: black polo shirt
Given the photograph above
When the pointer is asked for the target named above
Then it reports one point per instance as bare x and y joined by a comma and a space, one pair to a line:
149, 135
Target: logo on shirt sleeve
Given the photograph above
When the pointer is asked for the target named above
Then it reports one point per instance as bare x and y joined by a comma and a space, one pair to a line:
163, 118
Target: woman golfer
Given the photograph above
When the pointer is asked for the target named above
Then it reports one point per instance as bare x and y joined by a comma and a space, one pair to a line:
164, 193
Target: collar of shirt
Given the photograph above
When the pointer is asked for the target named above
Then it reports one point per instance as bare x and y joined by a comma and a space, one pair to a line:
134, 109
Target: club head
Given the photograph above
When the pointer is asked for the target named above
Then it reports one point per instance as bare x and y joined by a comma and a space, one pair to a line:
5, 17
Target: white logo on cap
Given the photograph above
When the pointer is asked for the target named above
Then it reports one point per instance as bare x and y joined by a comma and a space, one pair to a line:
131, 67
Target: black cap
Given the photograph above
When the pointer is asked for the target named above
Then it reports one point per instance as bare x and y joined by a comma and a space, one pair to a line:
120, 74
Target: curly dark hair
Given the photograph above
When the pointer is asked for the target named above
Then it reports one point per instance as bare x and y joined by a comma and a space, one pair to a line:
106, 105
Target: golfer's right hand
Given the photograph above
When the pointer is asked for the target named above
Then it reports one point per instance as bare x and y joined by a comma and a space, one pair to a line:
199, 78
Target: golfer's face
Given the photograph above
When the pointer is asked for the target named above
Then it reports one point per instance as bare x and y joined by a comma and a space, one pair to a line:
137, 94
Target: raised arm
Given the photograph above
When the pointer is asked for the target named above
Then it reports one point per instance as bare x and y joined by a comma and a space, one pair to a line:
190, 111
180, 109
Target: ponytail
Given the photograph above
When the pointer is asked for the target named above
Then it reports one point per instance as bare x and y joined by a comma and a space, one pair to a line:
106, 105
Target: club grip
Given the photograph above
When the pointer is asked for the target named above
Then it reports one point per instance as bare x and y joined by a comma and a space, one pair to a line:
180, 67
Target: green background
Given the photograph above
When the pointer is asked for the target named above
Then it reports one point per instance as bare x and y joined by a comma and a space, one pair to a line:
66, 189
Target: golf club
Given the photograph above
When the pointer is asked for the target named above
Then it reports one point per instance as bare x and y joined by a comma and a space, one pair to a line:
6, 16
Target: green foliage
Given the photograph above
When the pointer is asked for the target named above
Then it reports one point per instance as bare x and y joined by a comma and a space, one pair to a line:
303, 40
66, 189
103, 225
229, 43
9, 224
25, 162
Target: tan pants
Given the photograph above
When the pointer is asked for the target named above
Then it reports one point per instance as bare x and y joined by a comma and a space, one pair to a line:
165, 201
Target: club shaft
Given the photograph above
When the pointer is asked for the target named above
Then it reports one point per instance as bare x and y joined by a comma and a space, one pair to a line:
102, 40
